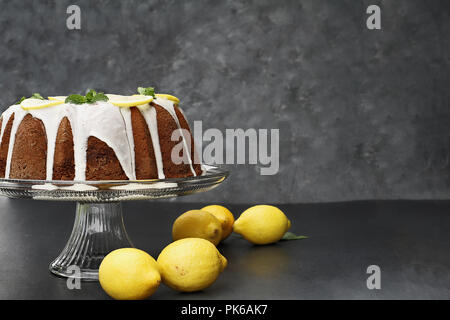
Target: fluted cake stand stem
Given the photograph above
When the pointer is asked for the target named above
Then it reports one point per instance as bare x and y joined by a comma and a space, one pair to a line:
98, 230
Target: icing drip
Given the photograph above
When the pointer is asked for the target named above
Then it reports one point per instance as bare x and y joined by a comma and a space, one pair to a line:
126, 115
109, 125
202, 166
168, 105
149, 114
18, 117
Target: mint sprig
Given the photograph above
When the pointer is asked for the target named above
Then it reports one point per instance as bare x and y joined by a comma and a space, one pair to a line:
76, 99
94, 96
149, 91
91, 97
33, 96
37, 96
292, 236
20, 100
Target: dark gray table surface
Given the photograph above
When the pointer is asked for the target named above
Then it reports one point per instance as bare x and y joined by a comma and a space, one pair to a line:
409, 240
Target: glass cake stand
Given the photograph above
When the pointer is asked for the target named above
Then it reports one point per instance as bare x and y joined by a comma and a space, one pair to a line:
98, 228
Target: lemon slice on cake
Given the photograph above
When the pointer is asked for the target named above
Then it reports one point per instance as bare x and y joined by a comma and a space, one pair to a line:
58, 98
168, 97
33, 104
129, 101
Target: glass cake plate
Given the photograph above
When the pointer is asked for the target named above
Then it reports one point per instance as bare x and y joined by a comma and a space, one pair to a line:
98, 228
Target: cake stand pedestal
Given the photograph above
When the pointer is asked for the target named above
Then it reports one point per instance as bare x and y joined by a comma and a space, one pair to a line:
98, 228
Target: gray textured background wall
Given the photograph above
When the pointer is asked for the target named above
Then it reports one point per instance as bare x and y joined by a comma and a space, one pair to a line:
363, 114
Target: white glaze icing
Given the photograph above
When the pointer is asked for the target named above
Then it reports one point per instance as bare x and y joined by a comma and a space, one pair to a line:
126, 115
169, 106
145, 186
18, 116
149, 114
102, 120
79, 187
75, 187
202, 166
45, 186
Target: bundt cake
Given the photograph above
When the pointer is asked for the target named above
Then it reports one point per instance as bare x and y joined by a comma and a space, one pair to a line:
95, 141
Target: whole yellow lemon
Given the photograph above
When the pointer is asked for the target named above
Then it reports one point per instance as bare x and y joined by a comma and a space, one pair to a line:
190, 264
197, 224
262, 224
129, 274
225, 217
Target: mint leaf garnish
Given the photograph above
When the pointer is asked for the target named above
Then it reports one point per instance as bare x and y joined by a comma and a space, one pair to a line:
37, 96
76, 99
91, 97
150, 91
100, 96
34, 96
20, 100
292, 236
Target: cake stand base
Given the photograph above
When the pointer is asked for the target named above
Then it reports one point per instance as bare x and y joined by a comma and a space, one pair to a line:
98, 230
